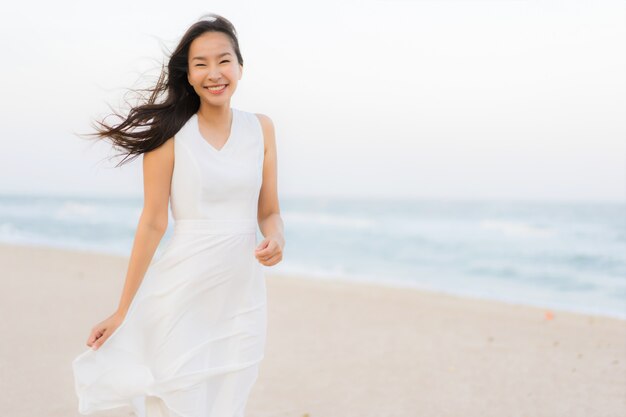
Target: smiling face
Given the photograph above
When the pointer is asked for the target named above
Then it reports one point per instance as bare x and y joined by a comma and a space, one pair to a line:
212, 62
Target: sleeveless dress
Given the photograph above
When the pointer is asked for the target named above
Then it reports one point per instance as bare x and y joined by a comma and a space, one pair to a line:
194, 335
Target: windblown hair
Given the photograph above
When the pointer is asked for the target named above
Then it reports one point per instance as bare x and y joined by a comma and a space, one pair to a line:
169, 104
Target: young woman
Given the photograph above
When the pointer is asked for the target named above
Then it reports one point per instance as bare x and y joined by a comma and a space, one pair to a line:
189, 333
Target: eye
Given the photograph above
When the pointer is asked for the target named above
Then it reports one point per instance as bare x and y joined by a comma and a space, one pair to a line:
199, 65
225, 61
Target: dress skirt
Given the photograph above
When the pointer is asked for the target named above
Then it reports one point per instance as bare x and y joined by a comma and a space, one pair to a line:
194, 335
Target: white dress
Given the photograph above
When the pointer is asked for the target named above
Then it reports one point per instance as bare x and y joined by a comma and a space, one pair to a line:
194, 335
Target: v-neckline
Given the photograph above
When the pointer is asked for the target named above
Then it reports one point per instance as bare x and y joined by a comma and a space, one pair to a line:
230, 135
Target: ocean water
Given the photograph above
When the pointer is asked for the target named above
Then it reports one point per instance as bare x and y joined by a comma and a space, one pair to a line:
567, 256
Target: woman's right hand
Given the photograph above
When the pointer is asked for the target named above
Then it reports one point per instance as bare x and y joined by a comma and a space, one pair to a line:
101, 331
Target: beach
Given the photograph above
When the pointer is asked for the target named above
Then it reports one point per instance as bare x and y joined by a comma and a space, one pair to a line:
334, 348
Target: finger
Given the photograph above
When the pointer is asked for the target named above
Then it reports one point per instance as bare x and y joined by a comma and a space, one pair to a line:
270, 250
276, 251
265, 253
265, 257
95, 334
100, 341
93, 342
273, 260
262, 245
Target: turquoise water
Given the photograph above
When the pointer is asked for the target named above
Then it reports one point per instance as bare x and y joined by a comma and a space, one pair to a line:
568, 256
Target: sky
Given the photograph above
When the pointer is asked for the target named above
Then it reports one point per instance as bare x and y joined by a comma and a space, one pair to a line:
514, 100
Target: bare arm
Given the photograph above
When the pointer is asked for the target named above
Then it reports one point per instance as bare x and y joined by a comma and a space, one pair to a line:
158, 166
269, 252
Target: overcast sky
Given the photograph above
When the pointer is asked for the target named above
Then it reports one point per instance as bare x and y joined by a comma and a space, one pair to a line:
435, 99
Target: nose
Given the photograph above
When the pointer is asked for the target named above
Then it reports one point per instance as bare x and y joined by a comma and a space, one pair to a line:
214, 74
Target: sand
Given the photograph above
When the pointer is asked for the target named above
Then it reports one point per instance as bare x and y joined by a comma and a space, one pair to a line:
335, 349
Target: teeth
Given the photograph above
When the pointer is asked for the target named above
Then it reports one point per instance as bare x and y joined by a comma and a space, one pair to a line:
216, 88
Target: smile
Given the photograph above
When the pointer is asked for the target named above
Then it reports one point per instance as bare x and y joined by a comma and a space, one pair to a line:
217, 89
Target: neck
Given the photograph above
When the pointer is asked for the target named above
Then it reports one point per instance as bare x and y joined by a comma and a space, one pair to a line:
215, 114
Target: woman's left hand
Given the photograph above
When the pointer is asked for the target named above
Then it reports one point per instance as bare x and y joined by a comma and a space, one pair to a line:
269, 252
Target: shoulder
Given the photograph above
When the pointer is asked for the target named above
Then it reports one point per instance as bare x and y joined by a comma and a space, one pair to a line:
266, 123
162, 154
159, 162
163, 149
268, 129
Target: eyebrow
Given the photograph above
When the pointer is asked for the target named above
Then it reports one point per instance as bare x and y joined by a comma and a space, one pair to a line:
203, 58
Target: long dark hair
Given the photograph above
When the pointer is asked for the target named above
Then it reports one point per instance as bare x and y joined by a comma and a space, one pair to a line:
170, 103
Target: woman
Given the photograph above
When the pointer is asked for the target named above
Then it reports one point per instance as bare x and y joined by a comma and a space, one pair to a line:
189, 333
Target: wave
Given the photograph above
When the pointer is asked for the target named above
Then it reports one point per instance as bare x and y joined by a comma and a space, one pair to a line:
517, 228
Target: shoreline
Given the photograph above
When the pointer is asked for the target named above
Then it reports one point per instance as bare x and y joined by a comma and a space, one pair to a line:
356, 280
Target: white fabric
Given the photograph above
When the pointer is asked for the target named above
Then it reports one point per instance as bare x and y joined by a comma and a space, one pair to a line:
194, 335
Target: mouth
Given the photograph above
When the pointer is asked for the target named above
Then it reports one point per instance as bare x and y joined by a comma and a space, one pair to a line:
216, 89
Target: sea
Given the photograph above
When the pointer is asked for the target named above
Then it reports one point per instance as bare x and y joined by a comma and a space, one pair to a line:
567, 256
